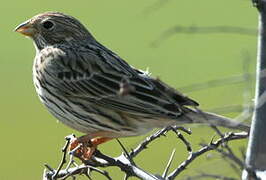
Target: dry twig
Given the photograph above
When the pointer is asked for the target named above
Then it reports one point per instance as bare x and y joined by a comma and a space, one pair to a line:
131, 169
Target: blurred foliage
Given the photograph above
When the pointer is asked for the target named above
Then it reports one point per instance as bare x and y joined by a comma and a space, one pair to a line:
32, 137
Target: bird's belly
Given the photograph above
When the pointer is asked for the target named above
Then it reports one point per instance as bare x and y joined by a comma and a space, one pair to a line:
65, 111
80, 119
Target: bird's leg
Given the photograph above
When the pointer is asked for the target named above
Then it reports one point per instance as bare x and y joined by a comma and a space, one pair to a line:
87, 146
100, 140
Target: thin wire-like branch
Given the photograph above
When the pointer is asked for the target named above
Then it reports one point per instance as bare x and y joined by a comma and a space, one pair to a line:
232, 157
168, 164
246, 78
211, 146
183, 139
104, 173
125, 151
234, 166
229, 109
233, 163
155, 6
87, 175
193, 29
235, 79
143, 145
230, 154
205, 175
242, 150
63, 160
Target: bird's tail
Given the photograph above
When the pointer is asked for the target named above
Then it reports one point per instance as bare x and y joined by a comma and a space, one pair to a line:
198, 116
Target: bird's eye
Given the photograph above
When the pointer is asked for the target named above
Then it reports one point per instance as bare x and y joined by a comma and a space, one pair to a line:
48, 25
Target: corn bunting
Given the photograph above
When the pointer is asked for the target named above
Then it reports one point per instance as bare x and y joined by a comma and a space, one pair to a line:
93, 90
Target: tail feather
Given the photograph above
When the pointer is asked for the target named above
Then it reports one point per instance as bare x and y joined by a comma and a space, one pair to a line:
198, 116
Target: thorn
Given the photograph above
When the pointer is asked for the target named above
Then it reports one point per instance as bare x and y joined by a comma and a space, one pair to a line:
70, 137
49, 167
125, 151
169, 164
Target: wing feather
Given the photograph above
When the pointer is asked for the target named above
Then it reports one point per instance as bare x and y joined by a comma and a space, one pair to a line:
96, 75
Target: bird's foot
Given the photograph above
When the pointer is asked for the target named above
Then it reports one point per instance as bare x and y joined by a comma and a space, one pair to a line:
84, 147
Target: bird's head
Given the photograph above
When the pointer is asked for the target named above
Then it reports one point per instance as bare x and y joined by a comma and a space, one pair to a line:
52, 28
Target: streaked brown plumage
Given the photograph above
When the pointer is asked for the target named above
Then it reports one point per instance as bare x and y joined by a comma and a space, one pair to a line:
91, 89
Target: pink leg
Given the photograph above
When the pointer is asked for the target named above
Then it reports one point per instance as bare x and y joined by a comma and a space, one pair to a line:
87, 146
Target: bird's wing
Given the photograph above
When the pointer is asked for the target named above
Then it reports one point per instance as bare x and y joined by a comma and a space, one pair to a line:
97, 75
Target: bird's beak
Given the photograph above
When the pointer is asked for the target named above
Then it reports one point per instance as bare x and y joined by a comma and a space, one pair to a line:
26, 29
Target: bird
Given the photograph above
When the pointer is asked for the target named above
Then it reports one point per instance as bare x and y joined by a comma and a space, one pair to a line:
91, 89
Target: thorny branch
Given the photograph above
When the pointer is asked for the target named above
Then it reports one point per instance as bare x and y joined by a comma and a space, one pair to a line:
143, 145
209, 147
226, 152
124, 162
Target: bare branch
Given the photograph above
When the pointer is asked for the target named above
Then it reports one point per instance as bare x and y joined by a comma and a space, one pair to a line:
81, 169
168, 164
63, 160
183, 139
205, 175
143, 145
211, 146
193, 29
155, 7
125, 151
124, 161
230, 154
124, 164
236, 79
104, 173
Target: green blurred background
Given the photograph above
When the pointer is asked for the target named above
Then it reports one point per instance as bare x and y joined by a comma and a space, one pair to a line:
31, 136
